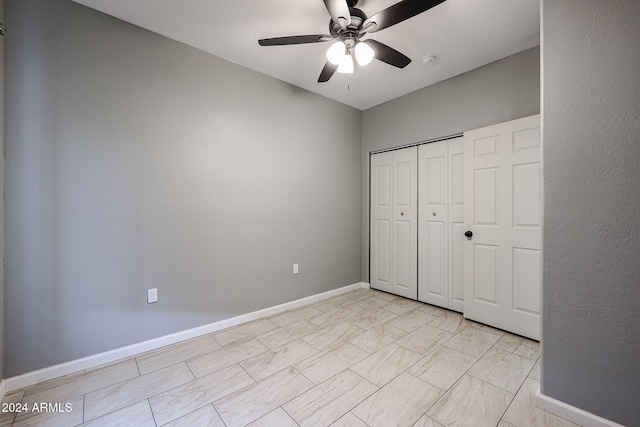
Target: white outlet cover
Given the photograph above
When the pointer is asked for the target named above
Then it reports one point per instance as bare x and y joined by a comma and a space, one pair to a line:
152, 295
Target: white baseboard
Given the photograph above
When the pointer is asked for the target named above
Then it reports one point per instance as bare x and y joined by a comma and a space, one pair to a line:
571, 413
35, 377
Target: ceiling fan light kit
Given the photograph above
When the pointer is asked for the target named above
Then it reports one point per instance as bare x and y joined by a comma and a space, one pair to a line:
340, 53
364, 54
348, 25
336, 52
346, 65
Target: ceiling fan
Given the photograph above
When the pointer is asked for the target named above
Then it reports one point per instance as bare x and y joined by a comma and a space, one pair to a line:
348, 25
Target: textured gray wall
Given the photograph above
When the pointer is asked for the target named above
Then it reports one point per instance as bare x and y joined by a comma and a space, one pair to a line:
591, 119
136, 162
1, 190
498, 92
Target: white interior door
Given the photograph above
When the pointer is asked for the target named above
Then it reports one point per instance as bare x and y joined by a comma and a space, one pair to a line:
440, 214
394, 241
502, 260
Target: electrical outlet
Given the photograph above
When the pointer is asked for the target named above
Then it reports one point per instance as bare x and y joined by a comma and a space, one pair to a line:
295, 268
152, 295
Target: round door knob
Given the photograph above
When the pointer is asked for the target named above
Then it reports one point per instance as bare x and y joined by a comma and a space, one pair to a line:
468, 234
402, 213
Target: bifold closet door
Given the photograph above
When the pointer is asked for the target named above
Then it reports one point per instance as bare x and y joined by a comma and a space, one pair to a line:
503, 196
394, 236
440, 223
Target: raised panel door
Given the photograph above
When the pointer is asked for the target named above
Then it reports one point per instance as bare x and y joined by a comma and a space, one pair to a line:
503, 196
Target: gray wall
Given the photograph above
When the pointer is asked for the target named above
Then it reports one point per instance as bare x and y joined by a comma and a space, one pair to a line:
136, 162
503, 90
591, 119
1, 189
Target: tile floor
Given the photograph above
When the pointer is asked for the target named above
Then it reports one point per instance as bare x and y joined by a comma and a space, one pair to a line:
365, 358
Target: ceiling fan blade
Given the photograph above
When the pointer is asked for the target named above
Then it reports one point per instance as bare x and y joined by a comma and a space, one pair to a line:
339, 11
388, 54
280, 41
399, 12
328, 71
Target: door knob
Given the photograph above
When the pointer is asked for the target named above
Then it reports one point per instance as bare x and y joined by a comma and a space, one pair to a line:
468, 234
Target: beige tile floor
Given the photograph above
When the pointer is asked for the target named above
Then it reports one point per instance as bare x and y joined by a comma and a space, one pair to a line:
365, 358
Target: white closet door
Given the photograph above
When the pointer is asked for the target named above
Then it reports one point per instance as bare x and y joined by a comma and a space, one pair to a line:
503, 211
381, 219
432, 223
455, 230
394, 243
440, 215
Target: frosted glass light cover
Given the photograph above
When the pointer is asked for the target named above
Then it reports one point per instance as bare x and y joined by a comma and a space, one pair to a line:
346, 65
364, 53
336, 52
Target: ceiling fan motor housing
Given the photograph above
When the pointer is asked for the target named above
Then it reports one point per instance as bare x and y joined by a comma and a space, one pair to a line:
352, 31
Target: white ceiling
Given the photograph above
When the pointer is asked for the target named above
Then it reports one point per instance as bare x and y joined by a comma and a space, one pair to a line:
464, 34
